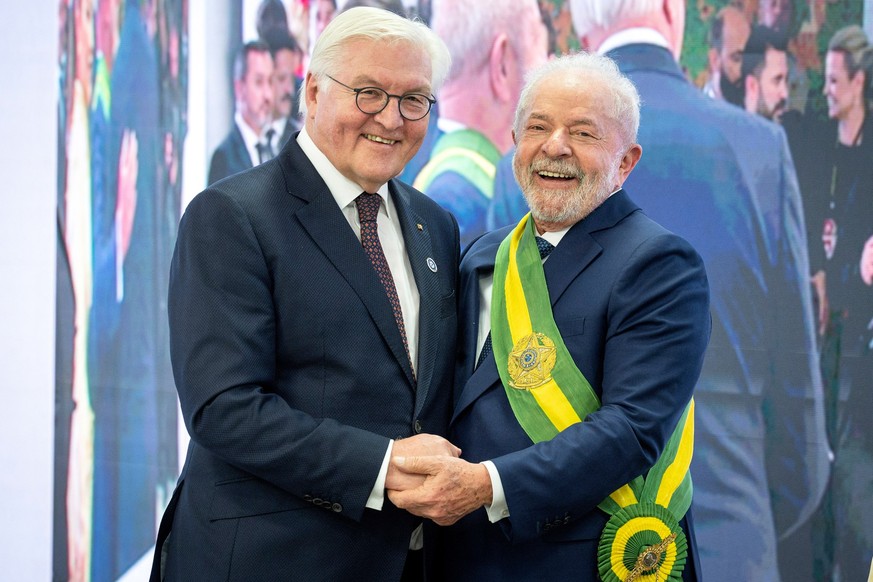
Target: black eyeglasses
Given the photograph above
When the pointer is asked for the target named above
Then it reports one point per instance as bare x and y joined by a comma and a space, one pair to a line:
372, 100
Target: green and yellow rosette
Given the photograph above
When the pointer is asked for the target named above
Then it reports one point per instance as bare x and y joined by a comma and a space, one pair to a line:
643, 543
642, 540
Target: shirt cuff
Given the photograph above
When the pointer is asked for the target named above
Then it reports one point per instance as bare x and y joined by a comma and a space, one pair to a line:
377, 495
498, 508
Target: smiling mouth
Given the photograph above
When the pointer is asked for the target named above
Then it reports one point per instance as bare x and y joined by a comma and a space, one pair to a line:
554, 175
378, 139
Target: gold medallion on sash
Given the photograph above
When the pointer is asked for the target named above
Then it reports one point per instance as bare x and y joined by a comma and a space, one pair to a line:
531, 361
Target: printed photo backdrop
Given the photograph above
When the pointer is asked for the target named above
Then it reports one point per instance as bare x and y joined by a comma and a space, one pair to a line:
123, 123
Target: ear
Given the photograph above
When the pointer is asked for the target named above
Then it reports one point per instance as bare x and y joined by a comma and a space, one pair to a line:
751, 87
713, 60
514, 141
628, 162
310, 93
674, 14
499, 66
859, 82
238, 89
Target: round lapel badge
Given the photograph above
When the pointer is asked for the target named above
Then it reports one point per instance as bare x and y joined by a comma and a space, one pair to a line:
431, 264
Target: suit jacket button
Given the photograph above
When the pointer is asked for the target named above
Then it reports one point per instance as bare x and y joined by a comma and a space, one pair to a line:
317, 501
336, 508
417, 426
307, 498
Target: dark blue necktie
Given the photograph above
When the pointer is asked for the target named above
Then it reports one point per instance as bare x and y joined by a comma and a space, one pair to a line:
265, 148
545, 247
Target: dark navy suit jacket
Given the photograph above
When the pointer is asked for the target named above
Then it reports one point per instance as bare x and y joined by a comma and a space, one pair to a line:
230, 157
724, 180
292, 377
631, 302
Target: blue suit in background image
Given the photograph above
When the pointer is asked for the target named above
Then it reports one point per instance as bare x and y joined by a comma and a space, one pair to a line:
725, 181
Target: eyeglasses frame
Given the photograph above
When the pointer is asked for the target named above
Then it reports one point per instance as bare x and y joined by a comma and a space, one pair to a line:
357, 91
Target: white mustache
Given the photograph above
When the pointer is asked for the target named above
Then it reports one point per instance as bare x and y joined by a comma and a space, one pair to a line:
556, 167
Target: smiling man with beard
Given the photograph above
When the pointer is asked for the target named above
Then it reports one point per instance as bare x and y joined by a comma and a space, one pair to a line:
587, 310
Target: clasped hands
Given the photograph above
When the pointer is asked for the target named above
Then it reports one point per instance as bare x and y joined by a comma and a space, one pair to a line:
428, 478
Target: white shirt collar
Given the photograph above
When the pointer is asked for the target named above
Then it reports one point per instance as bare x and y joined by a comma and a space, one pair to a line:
638, 35
344, 191
555, 237
449, 125
250, 137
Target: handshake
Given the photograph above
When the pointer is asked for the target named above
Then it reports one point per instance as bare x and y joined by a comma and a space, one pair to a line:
427, 477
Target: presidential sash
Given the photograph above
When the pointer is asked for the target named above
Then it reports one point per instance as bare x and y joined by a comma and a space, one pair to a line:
642, 540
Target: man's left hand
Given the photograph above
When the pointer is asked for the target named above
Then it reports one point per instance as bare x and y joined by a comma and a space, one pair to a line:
452, 488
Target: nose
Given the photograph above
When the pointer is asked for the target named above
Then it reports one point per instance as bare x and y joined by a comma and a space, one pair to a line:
390, 117
557, 145
783, 90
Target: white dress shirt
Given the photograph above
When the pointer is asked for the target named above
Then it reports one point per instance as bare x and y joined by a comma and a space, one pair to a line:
345, 192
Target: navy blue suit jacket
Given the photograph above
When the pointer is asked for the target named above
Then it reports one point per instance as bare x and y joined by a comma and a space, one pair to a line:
230, 157
631, 302
724, 180
292, 377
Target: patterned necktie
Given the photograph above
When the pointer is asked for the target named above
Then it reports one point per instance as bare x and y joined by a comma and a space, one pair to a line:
265, 148
368, 210
545, 247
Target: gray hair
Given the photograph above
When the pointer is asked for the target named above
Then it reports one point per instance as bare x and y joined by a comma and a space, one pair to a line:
378, 25
469, 28
589, 15
624, 97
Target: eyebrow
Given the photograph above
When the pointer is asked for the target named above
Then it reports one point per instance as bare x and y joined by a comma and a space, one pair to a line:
584, 121
360, 82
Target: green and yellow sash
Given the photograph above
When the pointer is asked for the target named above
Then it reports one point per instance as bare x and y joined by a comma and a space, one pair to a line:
642, 539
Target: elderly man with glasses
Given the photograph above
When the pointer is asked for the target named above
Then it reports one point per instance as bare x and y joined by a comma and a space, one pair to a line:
313, 324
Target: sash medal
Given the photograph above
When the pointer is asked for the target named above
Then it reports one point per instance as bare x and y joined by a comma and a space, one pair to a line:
642, 540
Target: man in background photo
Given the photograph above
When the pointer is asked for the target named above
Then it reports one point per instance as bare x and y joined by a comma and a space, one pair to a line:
764, 74
287, 60
725, 181
493, 44
727, 37
249, 142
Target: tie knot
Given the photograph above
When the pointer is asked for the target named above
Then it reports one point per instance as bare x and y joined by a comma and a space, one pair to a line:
545, 247
368, 206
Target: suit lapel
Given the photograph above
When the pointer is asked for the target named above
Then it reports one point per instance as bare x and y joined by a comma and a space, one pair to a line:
329, 229
419, 249
241, 154
479, 262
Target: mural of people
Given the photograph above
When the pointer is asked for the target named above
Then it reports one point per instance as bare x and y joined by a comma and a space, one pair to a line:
123, 96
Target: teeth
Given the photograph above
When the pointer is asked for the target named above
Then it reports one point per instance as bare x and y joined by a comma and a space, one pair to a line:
546, 174
378, 139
